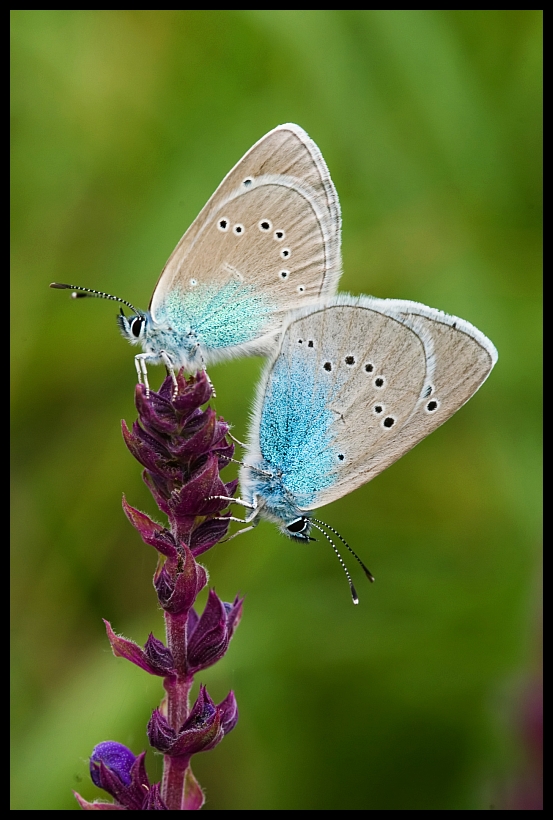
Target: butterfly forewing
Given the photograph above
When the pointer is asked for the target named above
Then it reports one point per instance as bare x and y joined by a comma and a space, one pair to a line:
269, 237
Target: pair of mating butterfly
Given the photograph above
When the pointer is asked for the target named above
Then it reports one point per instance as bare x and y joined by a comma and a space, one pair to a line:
353, 382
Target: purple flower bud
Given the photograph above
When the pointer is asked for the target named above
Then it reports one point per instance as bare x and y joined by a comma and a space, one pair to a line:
160, 734
191, 394
162, 409
159, 655
118, 759
146, 449
164, 585
202, 730
115, 769
193, 497
208, 639
209, 434
208, 533
182, 448
178, 583
153, 801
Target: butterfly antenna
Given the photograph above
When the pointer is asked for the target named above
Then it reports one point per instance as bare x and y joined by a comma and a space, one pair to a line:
367, 571
82, 293
354, 597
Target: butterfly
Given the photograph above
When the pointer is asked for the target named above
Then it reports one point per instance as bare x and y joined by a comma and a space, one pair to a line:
267, 242
354, 385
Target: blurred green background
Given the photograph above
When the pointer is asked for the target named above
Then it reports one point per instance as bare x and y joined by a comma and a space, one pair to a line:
123, 124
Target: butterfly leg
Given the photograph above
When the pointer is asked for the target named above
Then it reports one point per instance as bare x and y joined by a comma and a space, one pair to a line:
213, 393
233, 501
165, 358
229, 434
239, 532
140, 365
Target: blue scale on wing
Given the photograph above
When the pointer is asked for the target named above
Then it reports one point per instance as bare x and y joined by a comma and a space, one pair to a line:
218, 316
295, 430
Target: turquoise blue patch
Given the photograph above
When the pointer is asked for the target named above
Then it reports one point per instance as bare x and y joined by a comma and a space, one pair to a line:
295, 437
218, 317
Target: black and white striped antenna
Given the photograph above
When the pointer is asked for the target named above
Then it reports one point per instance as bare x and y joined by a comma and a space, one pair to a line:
315, 522
82, 293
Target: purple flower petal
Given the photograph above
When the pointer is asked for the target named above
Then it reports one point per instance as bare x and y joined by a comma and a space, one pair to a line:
198, 391
153, 801
145, 448
229, 713
207, 534
209, 640
203, 440
159, 656
160, 734
193, 619
116, 757
234, 613
179, 585
192, 498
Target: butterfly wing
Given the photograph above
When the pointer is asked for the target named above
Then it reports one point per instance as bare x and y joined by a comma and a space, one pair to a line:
266, 242
367, 380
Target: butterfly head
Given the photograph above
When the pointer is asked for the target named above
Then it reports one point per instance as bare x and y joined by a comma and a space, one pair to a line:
133, 328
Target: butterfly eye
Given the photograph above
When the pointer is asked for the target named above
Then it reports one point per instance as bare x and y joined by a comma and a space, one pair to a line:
136, 326
299, 525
